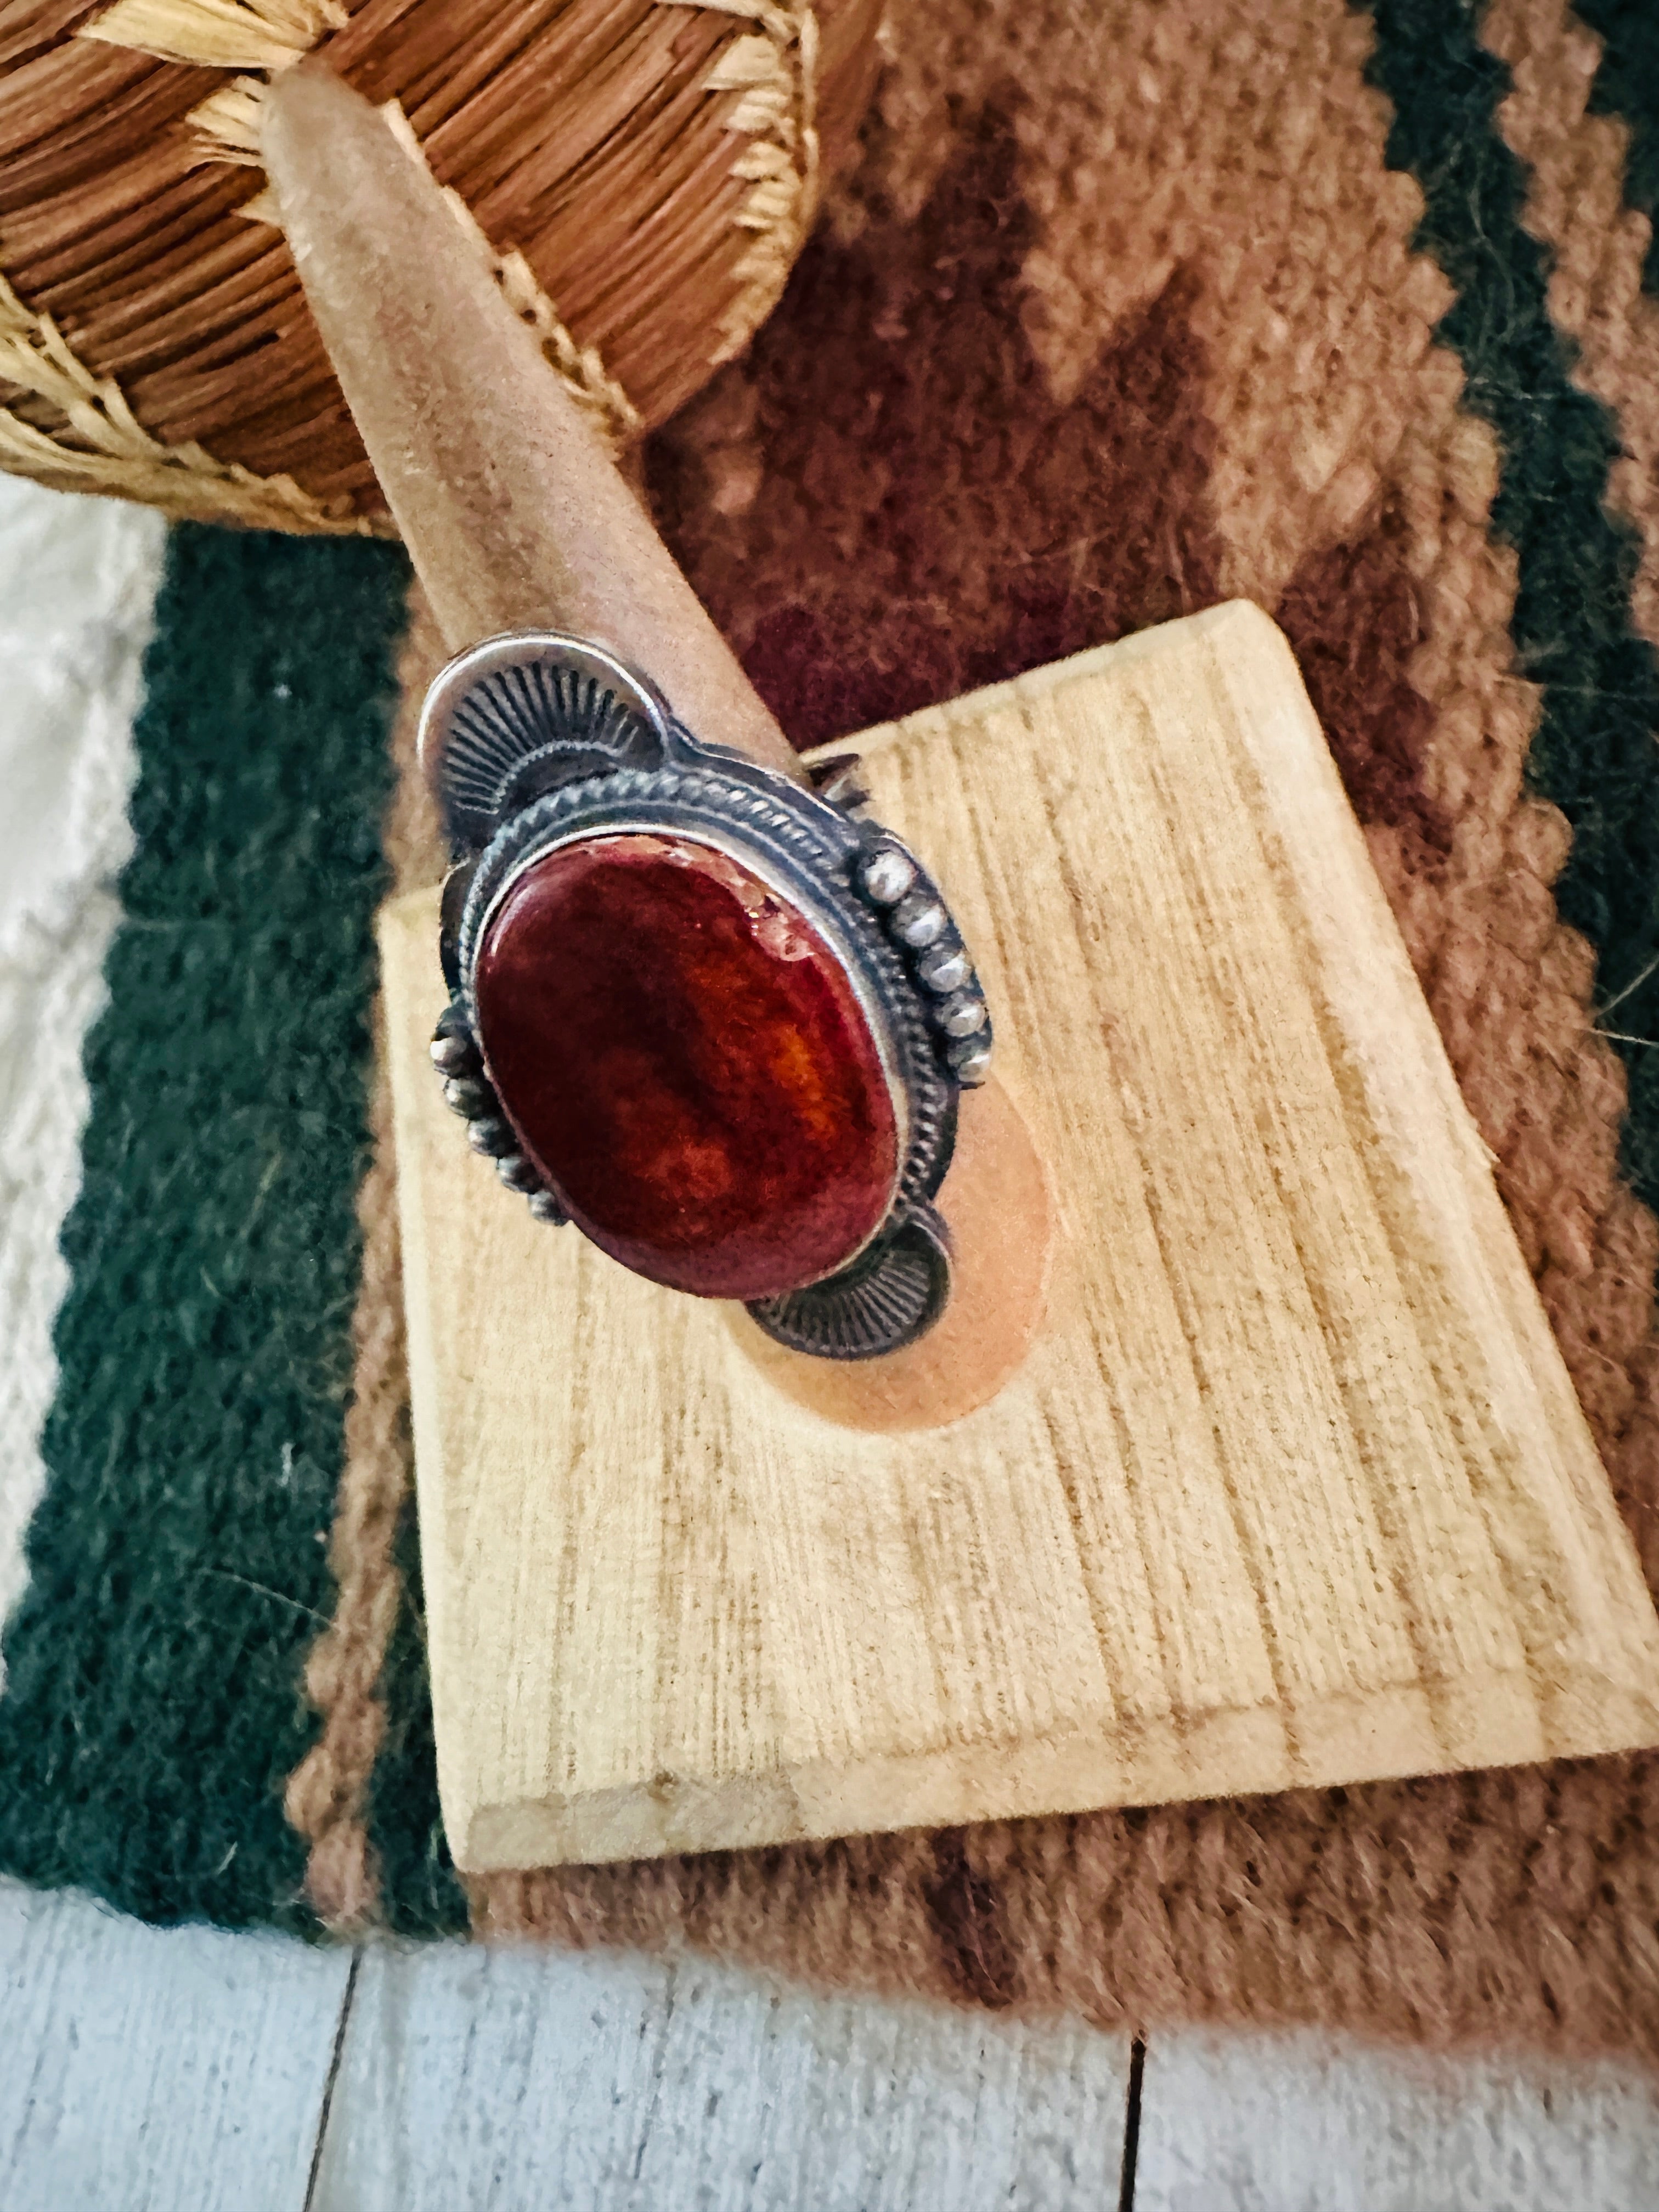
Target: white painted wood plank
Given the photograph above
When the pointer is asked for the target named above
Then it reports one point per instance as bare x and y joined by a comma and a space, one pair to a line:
146, 2068
514, 2079
1309, 2123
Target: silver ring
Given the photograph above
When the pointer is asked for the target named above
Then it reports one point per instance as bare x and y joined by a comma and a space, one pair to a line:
719, 1020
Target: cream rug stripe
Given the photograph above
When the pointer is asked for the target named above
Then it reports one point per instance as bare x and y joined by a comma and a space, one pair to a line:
78, 579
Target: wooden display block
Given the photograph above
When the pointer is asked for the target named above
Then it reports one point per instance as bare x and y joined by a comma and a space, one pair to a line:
1292, 1488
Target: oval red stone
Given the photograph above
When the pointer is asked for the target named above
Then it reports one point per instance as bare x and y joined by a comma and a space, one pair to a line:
685, 1061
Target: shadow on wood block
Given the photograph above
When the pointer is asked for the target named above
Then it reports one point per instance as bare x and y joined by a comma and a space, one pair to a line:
1292, 1488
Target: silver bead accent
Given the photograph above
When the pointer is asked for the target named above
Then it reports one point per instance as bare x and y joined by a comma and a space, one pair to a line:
973, 1066
452, 1053
490, 1136
462, 1094
919, 920
945, 971
545, 1207
960, 1018
888, 874
517, 1173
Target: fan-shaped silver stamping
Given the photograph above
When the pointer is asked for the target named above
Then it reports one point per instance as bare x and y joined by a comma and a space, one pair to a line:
892, 1294
520, 716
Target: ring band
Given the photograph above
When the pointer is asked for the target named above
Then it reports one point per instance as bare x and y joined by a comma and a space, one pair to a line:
719, 1020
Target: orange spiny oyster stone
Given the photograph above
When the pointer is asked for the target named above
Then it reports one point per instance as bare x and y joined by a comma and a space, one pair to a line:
684, 1059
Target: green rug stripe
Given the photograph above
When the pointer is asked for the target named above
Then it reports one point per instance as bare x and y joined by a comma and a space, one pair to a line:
153, 1706
1595, 753
1627, 85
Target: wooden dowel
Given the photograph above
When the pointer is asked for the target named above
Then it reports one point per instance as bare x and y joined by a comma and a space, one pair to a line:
516, 518
511, 508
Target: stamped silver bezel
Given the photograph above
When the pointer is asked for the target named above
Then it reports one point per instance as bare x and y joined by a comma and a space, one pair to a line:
805, 862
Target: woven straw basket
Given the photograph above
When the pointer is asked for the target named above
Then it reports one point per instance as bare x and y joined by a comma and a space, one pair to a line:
640, 174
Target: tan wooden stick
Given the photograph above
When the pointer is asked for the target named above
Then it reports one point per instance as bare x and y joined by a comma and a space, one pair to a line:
516, 518
512, 511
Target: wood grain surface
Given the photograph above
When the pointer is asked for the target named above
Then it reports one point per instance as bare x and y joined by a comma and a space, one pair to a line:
154, 2069
146, 2069
1292, 1488
514, 2078
1311, 2122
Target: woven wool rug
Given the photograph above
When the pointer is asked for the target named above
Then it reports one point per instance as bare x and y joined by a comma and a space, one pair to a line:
1126, 308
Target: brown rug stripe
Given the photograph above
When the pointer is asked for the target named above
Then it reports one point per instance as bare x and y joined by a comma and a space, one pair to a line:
327, 1794
1348, 491
1576, 207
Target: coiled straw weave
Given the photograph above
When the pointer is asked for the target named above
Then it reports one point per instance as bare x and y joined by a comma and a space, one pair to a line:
640, 174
